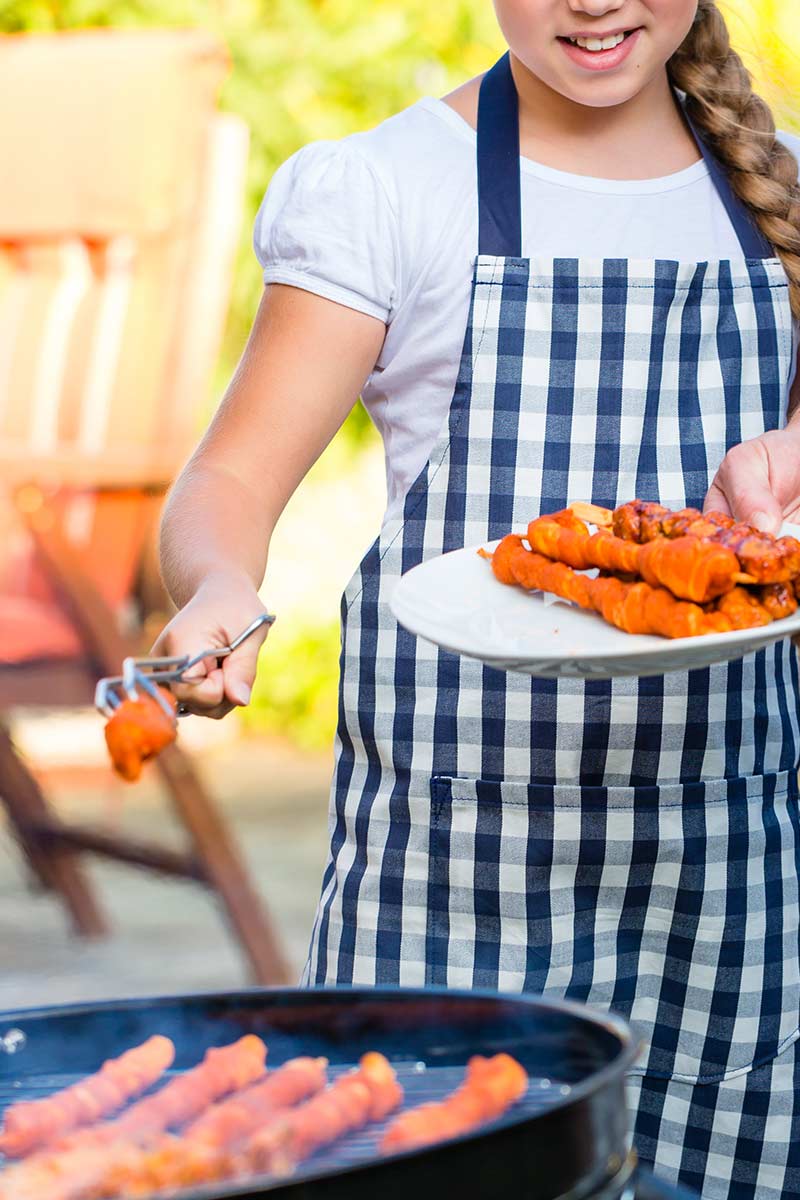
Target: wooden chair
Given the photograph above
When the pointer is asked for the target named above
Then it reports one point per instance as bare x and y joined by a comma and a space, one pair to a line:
119, 217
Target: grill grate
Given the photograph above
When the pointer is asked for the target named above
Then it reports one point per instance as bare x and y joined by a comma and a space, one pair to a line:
420, 1083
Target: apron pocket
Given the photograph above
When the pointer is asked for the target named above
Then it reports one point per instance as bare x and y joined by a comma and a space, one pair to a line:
676, 906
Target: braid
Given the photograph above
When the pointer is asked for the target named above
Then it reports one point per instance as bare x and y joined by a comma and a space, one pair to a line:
739, 127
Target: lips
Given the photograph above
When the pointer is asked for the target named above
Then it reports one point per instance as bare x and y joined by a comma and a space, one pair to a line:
600, 51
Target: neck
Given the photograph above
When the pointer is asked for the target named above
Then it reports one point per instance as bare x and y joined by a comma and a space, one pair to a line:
645, 137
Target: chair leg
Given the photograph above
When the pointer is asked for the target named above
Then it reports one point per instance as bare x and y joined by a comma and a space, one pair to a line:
57, 867
224, 868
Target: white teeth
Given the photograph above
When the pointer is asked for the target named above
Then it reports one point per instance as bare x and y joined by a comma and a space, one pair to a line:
607, 43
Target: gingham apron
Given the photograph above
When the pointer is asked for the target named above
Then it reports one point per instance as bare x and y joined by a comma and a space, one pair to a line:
628, 843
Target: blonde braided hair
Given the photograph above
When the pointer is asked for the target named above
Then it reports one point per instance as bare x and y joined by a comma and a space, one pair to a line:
739, 127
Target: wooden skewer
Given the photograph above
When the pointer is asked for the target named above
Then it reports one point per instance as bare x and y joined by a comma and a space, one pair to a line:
593, 514
743, 577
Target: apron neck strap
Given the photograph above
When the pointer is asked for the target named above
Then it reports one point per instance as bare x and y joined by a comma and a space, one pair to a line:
499, 188
751, 239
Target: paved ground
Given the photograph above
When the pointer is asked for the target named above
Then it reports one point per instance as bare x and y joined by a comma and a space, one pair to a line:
168, 935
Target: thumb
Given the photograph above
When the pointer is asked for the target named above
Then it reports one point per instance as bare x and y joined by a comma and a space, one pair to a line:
755, 505
239, 669
716, 500
742, 488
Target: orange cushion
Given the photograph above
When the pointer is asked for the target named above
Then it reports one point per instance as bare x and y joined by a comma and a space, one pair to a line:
31, 630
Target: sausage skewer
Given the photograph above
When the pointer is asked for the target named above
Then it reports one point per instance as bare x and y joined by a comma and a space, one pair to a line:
31, 1123
367, 1094
230, 1119
216, 1146
632, 607
491, 1087
767, 559
202, 1153
73, 1167
139, 730
690, 569
224, 1069
282, 1140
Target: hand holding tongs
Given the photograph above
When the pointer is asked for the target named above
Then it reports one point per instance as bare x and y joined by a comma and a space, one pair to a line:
147, 673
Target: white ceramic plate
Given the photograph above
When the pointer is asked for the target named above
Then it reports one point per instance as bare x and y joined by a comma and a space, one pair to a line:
455, 602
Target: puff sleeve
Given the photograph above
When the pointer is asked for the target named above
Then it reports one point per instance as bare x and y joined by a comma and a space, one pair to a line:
327, 225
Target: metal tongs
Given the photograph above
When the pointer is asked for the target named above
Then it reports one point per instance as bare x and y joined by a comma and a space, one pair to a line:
144, 674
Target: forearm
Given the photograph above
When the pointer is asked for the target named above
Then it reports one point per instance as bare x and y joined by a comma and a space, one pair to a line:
212, 526
304, 365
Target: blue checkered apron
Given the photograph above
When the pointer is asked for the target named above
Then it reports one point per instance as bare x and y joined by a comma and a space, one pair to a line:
629, 843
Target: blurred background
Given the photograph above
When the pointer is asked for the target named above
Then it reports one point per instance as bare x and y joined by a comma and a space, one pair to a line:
296, 71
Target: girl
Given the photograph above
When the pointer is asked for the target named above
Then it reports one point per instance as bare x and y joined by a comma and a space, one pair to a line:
629, 332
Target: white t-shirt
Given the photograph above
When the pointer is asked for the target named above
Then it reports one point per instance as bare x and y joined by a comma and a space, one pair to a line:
385, 222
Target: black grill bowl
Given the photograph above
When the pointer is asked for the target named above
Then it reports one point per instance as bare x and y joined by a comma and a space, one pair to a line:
568, 1137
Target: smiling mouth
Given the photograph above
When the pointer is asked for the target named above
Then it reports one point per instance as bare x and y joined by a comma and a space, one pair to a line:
596, 44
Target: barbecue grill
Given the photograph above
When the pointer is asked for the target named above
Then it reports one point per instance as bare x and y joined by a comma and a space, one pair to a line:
566, 1140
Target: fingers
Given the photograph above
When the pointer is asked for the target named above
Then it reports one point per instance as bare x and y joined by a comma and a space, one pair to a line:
215, 616
716, 500
239, 668
203, 690
742, 488
205, 697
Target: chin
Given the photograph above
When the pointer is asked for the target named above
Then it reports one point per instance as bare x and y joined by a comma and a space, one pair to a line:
606, 94
599, 90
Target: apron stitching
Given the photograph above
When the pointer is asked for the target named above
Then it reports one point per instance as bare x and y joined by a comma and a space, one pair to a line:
596, 286
466, 792
734, 1073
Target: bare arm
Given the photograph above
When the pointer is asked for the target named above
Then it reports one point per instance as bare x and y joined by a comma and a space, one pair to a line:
301, 372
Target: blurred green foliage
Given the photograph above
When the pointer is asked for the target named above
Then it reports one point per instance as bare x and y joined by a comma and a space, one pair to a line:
302, 70
296, 693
